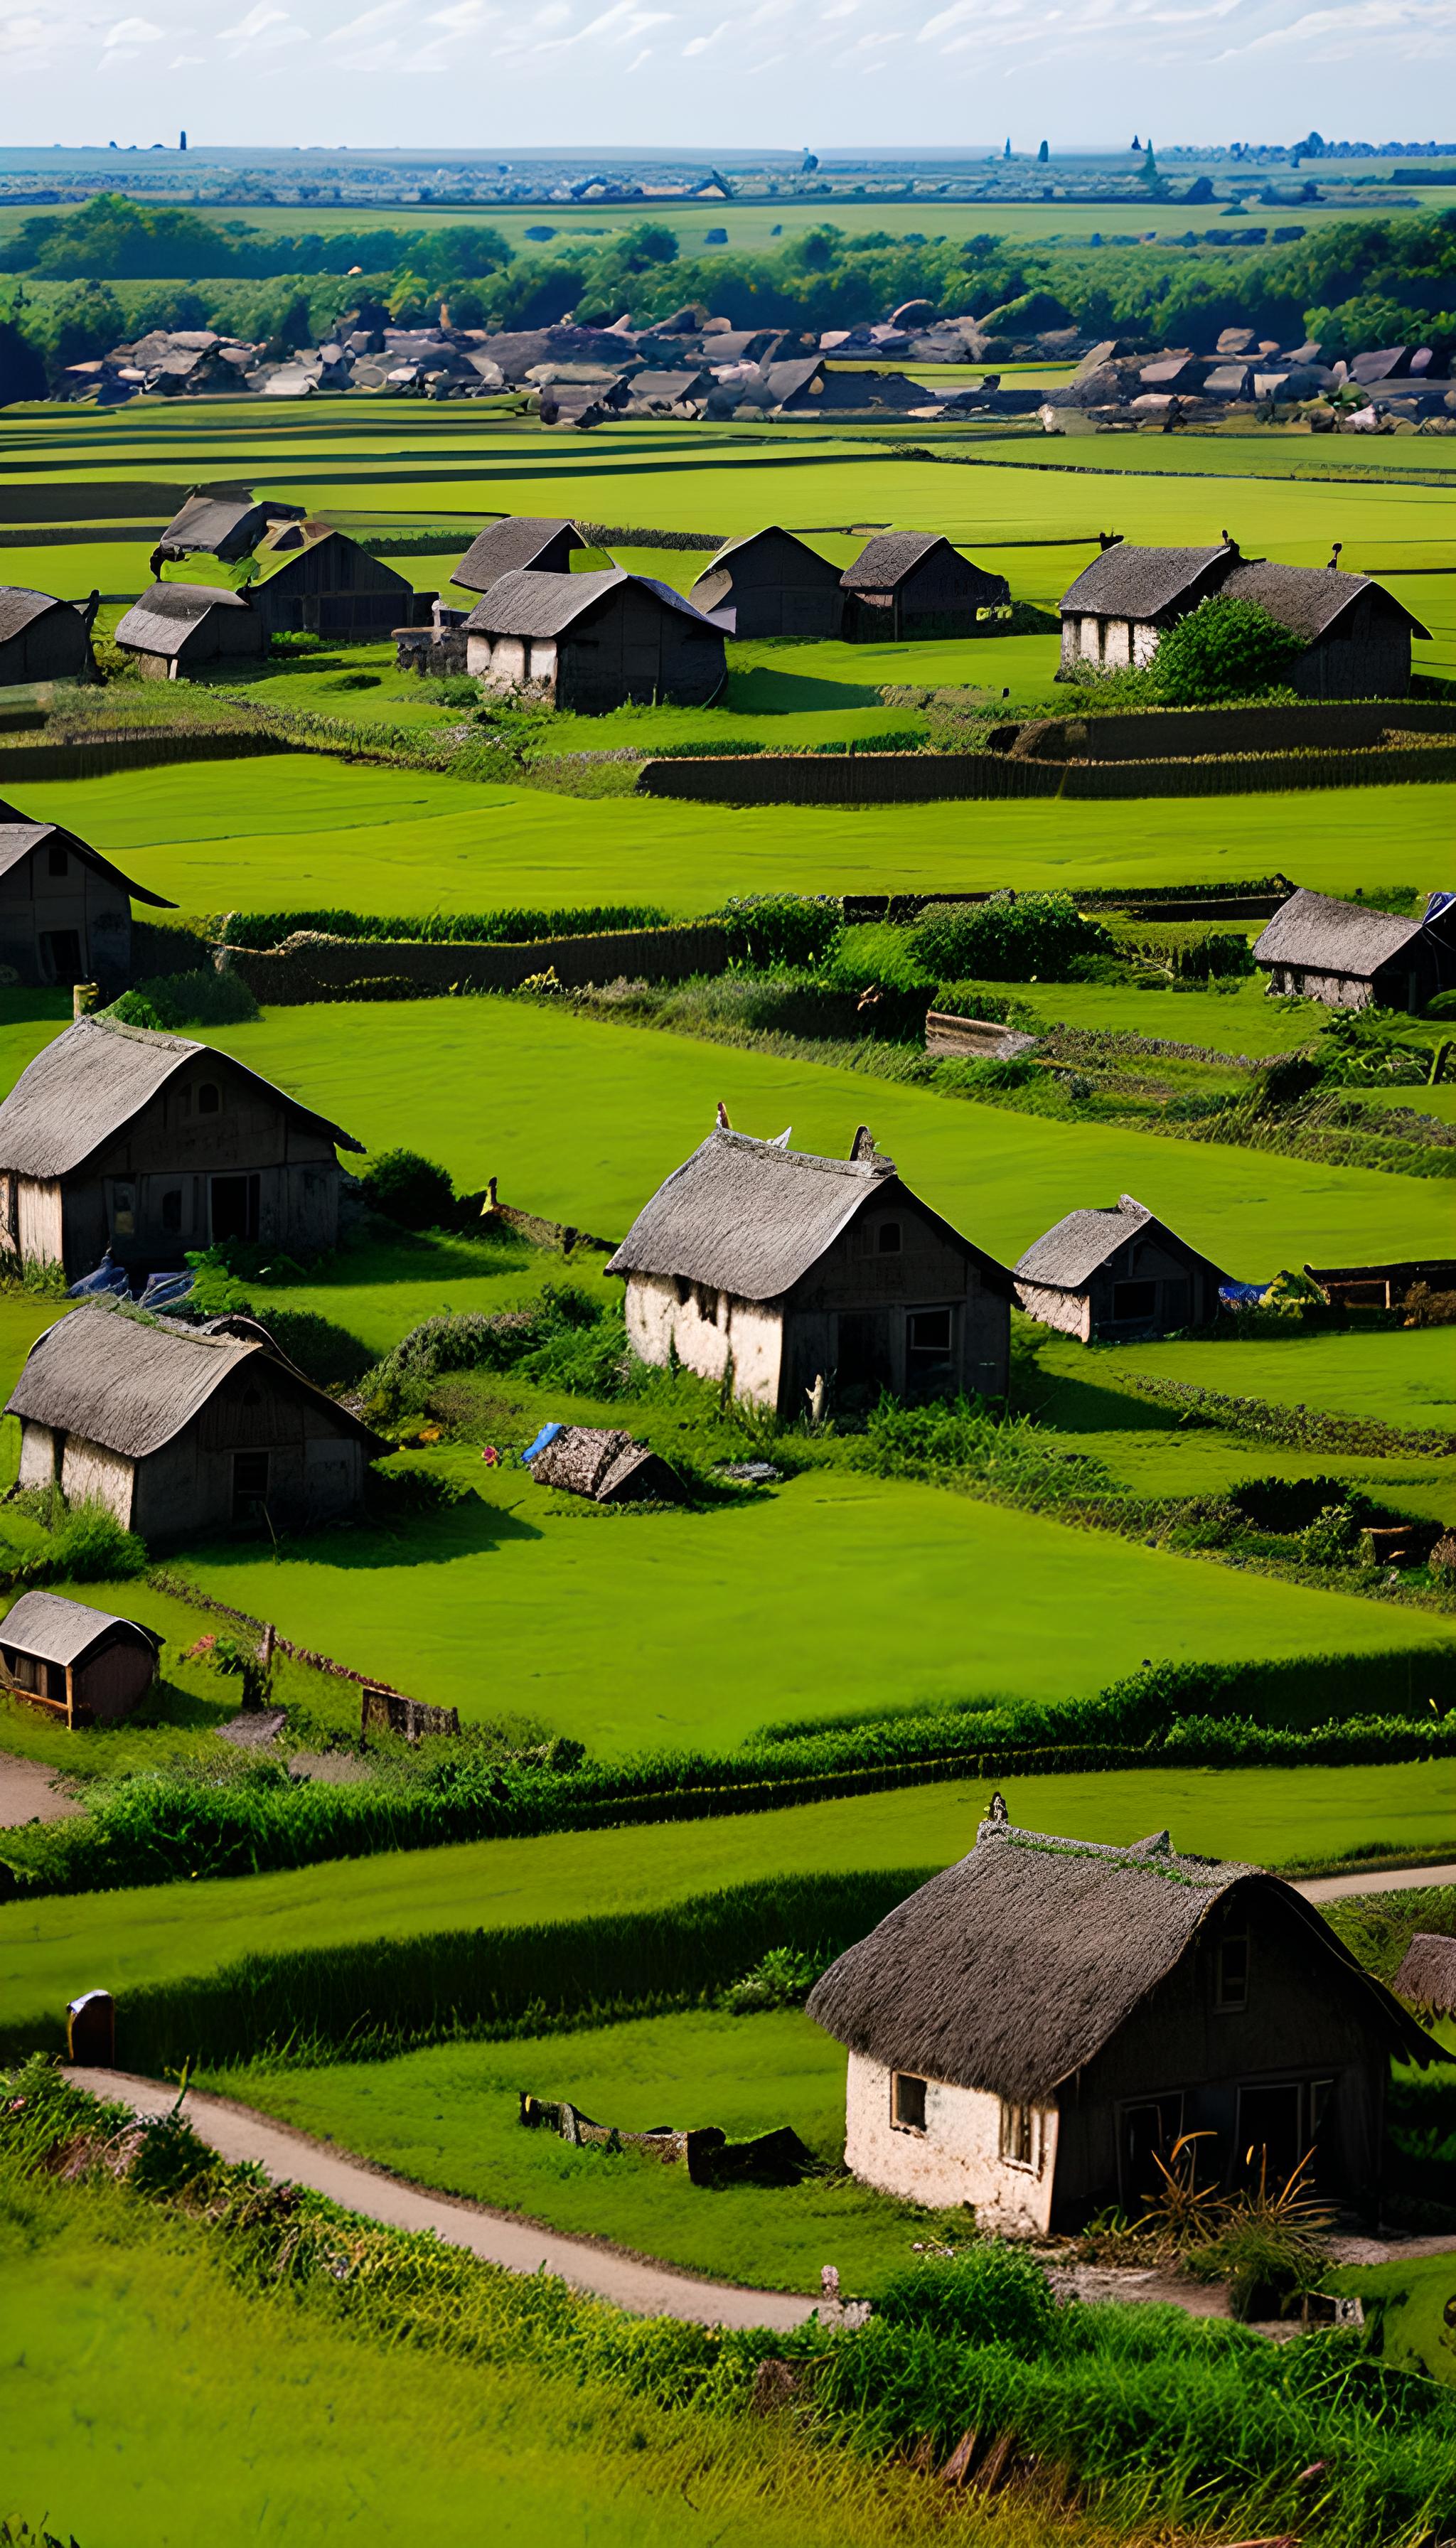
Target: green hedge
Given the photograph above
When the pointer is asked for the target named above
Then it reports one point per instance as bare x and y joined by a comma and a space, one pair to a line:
262, 930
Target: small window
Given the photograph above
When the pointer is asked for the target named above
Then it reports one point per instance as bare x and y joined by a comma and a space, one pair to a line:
1133, 1300
1018, 2135
209, 1096
172, 1209
907, 2102
927, 1349
1232, 1973
124, 1211
57, 862
887, 1242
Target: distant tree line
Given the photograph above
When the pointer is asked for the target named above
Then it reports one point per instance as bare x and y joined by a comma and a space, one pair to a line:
90, 279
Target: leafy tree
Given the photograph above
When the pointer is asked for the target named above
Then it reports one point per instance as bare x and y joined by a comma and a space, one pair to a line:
409, 1189
1222, 649
1013, 938
410, 299
74, 326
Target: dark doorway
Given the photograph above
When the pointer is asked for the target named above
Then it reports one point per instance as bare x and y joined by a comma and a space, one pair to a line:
863, 1350
61, 949
1146, 2133
249, 1485
1270, 2134
235, 1208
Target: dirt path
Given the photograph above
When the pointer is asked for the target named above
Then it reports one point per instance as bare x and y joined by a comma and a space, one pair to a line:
633, 2283
1395, 1879
27, 1794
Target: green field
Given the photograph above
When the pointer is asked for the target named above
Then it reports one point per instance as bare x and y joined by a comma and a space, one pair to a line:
53, 1948
448, 2117
1414, 2298
1406, 1378
149, 2401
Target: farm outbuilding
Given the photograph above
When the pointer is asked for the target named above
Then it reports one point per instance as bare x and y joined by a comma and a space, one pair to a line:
316, 579
602, 1463
913, 584
1117, 1275
593, 642
87, 1666
223, 523
545, 544
65, 912
775, 1270
1035, 2028
772, 584
42, 639
149, 1144
177, 630
177, 1431
1352, 958
1356, 635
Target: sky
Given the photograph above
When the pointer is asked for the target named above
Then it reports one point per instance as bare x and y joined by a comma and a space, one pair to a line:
697, 74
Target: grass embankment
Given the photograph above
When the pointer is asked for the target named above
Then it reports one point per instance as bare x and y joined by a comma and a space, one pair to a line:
132, 1940
1405, 1377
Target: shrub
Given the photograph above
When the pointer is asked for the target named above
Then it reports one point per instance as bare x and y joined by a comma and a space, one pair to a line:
87, 1545
1222, 649
781, 1978
992, 2292
329, 1355
1013, 938
1329, 1539
766, 929
409, 1189
172, 1000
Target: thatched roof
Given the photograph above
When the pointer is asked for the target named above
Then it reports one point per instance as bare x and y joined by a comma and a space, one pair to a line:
1012, 1970
502, 547
1309, 599
1067, 1255
605, 1464
82, 1091
526, 604
18, 839
59, 1631
1334, 937
884, 562
1427, 1974
134, 1384
166, 615
1126, 582
20, 608
751, 1218
223, 525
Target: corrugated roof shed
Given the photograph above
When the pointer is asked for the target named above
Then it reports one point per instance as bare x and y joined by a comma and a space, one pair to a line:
503, 547
1320, 931
18, 839
1126, 582
1012, 1969
82, 1091
132, 1384
61, 1631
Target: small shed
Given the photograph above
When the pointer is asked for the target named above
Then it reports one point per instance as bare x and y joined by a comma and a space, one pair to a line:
223, 523
1035, 2028
774, 1269
1117, 1275
1356, 635
1427, 1974
545, 543
314, 579
913, 584
87, 1666
177, 630
772, 584
179, 1432
41, 639
1116, 611
1349, 956
606, 1465
65, 912
593, 642
147, 1145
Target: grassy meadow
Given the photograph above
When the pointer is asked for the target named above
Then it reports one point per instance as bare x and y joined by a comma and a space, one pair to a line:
52, 1948
1405, 1378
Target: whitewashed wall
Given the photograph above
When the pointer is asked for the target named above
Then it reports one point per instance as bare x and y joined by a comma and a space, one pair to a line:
956, 2159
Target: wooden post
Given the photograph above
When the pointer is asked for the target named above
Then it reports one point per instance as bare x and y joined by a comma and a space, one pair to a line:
70, 1697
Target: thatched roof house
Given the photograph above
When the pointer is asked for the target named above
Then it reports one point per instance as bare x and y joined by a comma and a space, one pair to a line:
1032, 2030
772, 584
1352, 958
316, 579
913, 584
177, 630
41, 639
151, 1144
65, 911
545, 543
593, 642
222, 522
88, 1666
179, 1432
779, 1268
1117, 1274
1427, 1974
1356, 635
605, 1464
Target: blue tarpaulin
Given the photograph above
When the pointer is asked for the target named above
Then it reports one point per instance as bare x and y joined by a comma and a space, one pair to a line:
548, 1433
103, 1280
165, 1290
1242, 1296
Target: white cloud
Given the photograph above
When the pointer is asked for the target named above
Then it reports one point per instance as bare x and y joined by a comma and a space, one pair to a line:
263, 31
133, 31
367, 24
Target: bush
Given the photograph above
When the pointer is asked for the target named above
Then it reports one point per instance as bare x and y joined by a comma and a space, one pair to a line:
766, 929
781, 1978
329, 1354
1013, 938
173, 1000
992, 2292
1222, 649
87, 1545
409, 1189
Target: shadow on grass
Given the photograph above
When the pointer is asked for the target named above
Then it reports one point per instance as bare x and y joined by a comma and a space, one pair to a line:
409, 1255
766, 691
1072, 1405
22, 1008
473, 1528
